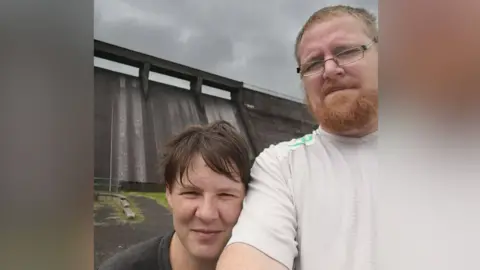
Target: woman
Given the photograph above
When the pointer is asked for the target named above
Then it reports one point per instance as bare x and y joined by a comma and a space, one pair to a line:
206, 171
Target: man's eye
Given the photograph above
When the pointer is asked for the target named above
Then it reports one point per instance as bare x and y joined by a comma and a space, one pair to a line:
349, 52
226, 195
313, 66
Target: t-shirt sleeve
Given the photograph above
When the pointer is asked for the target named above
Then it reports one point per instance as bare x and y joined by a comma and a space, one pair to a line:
268, 219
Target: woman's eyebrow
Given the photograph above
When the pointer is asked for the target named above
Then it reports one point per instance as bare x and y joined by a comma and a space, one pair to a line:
188, 186
228, 190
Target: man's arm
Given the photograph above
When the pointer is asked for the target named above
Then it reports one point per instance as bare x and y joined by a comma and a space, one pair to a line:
239, 256
265, 234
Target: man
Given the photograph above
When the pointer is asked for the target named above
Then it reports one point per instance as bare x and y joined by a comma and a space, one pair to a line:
310, 204
206, 171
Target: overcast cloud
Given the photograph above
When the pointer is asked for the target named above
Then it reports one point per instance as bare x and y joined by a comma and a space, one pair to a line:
250, 41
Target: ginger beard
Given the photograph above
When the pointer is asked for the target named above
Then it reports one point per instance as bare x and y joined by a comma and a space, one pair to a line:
349, 109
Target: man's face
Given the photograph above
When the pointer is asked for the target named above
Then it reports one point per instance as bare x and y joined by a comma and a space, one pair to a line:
343, 99
205, 209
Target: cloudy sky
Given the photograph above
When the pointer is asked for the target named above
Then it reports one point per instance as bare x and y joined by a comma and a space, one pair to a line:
250, 41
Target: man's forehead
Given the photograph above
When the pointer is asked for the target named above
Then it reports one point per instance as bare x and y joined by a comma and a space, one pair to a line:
334, 29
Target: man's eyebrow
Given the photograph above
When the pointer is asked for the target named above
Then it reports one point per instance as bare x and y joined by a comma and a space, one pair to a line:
314, 57
344, 47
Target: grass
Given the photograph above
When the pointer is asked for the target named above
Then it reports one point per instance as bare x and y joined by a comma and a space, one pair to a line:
159, 197
97, 205
118, 214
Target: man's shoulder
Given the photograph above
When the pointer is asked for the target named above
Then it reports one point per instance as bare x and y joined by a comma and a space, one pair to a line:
304, 141
281, 150
143, 253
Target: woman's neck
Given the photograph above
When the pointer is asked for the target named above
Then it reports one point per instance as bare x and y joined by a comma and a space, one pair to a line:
181, 259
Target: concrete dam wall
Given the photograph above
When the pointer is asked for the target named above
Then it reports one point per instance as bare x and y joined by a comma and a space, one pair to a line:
135, 116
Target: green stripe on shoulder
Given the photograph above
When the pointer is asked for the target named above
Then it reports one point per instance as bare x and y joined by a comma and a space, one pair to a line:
305, 140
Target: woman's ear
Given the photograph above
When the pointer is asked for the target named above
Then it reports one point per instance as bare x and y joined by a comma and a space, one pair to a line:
168, 195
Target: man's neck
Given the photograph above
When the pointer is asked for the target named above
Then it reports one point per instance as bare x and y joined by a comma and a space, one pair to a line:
182, 260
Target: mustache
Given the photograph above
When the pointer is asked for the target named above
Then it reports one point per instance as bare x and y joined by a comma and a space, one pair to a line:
332, 86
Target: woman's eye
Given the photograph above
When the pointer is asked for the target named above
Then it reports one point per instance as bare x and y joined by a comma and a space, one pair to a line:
189, 193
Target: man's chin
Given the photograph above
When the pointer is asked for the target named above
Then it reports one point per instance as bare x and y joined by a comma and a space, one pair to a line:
346, 111
346, 119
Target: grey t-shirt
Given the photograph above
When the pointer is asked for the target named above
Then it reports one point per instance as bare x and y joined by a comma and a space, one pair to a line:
152, 254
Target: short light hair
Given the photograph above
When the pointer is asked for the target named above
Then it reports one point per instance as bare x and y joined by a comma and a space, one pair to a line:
368, 18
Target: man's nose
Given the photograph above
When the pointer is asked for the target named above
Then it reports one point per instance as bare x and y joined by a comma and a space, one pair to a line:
207, 211
332, 70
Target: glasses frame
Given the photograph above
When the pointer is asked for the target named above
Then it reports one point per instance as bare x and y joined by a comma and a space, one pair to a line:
364, 48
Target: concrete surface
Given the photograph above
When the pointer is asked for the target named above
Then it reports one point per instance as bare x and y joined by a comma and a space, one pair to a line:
112, 235
130, 130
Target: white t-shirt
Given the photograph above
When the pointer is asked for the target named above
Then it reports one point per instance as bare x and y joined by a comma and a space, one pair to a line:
309, 205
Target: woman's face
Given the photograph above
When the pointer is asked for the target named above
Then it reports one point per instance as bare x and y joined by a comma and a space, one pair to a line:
205, 209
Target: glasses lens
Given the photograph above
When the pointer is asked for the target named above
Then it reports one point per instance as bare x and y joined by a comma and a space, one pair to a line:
350, 56
344, 58
313, 68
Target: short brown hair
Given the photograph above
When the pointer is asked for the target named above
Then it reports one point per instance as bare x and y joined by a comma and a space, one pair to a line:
222, 147
329, 12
